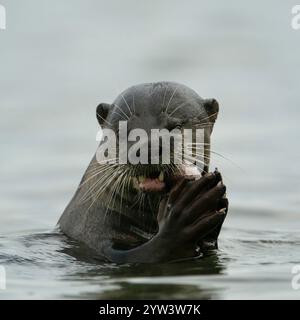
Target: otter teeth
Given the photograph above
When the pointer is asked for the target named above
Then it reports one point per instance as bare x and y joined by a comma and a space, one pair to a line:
161, 176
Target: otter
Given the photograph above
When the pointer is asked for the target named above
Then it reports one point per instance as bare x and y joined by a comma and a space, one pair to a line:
150, 213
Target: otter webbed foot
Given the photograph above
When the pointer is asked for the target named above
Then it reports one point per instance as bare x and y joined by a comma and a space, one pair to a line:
210, 241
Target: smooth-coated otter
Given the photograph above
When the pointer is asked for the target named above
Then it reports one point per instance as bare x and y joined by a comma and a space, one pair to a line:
150, 213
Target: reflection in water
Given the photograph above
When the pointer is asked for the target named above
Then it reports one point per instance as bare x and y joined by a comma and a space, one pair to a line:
156, 291
153, 282
44, 265
47, 265
141, 281
51, 257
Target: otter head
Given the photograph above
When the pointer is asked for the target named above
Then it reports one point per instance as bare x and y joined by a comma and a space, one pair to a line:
156, 109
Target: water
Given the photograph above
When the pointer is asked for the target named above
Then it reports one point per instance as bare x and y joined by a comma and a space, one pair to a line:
58, 61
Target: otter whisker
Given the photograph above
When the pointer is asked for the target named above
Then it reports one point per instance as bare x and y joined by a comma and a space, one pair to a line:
110, 182
122, 117
99, 115
105, 162
111, 192
126, 103
170, 100
163, 103
190, 145
203, 124
197, 144
106, 178
114, 190
222, 156
201, 155
180, 106
94, 172
195, 160
210, 116
121, 111
121, 190
133, 103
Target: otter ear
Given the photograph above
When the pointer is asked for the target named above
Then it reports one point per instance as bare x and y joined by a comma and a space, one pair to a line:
212, 108
102, 112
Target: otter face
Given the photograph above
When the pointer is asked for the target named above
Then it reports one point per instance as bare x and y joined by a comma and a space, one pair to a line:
158, 108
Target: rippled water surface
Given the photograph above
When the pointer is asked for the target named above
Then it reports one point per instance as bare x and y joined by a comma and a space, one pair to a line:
58, 61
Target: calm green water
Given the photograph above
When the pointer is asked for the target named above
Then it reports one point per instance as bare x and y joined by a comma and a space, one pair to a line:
58, 61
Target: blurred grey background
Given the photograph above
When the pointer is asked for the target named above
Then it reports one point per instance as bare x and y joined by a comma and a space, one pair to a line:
59, 59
